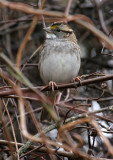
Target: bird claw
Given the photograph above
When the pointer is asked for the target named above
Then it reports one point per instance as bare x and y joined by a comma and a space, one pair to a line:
52, 85
77, 79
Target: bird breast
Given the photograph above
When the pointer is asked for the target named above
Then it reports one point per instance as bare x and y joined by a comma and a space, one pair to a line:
59, 61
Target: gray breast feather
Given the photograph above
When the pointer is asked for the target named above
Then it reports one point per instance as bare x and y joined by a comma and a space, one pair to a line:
59, 62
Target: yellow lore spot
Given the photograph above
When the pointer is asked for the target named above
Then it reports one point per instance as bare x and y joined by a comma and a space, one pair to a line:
54, 27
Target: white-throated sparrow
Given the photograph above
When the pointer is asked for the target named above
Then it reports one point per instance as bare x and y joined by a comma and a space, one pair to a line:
59, 59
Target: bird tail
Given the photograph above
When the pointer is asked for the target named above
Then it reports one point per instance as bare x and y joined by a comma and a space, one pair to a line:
48, 112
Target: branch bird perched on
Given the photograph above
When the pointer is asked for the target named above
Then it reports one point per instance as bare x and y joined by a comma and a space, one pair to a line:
59, 58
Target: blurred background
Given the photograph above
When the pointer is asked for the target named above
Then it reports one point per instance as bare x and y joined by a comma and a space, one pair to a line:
95, 58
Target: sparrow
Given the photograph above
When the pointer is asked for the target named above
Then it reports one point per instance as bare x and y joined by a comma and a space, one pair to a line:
59, 58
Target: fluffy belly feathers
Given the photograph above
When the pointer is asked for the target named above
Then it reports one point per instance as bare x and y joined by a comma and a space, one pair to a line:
59, 69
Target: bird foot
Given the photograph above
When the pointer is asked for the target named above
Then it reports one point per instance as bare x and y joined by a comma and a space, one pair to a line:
52, 85
77, 79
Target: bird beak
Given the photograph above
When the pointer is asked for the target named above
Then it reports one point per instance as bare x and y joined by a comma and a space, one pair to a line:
47, 29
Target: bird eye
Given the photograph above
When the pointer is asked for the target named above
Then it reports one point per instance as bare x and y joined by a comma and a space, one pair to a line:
58, 30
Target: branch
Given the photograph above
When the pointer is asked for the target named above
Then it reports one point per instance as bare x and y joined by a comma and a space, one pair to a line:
6, 91
28, 144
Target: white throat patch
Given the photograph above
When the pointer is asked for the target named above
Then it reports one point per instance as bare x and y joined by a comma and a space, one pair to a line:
49, 35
